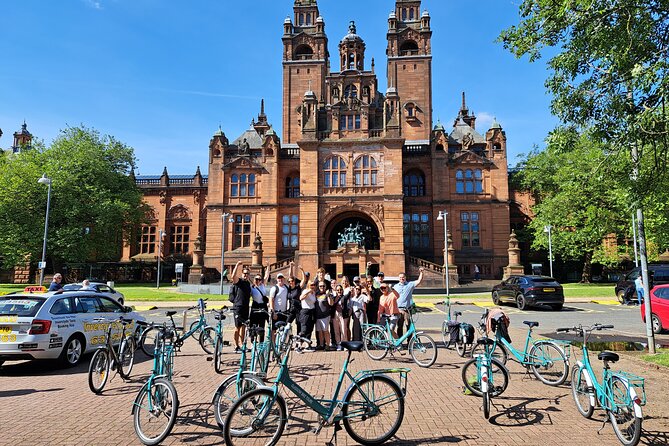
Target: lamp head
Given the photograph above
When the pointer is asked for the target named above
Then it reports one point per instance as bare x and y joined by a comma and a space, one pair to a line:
547, 228
442, 215
44, 180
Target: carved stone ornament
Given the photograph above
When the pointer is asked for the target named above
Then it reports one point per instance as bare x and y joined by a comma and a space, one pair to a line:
163, 196
179, 212
467, 141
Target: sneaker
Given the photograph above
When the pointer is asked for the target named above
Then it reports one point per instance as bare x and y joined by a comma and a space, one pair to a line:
238, 349
299, 350
309, 350
327, 348
340, 348
319, 347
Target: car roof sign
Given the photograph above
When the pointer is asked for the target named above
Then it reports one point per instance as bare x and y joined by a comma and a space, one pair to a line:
35, 289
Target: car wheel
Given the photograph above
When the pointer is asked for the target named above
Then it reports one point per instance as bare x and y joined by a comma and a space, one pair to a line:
73, 351
656, 323
557, 307
1, 362
521, 303
495, 298
621, 296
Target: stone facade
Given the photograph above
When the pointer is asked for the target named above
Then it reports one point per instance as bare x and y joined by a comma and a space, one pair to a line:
351, 159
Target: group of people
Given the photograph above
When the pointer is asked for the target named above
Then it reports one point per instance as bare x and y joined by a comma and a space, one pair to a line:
336, 309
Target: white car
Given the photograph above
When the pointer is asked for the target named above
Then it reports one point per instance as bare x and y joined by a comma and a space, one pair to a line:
98, 287
57, 325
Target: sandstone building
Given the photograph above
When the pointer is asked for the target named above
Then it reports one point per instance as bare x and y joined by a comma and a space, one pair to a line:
358, 175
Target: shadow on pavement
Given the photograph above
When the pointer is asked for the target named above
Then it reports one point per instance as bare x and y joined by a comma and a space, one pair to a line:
520, 415
22, 392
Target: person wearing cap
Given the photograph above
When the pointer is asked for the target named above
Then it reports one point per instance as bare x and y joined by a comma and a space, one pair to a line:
278, 301
240, 296
388, 306
405, 300
259, 302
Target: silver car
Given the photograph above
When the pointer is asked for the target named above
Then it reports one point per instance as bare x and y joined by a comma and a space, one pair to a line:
98, 287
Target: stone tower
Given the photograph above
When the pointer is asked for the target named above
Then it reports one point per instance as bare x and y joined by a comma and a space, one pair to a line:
410, 67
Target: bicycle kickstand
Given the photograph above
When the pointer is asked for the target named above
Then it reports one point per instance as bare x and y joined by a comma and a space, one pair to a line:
606, 420
333, 440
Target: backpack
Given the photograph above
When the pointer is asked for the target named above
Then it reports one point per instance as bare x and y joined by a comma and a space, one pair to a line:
232, 296
469, 332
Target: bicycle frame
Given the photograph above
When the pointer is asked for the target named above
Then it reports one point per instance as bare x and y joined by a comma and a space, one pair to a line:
408, 335
163, 361
109, 344
202, 322
523, 357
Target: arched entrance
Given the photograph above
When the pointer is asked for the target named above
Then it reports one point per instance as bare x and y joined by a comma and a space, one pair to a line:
354, 228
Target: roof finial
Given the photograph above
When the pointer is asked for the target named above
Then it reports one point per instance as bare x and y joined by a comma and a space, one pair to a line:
262, 106
351, 27
464, 106
165, 171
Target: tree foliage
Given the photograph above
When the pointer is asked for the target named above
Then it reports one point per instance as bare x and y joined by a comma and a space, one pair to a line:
608, 70
93, 200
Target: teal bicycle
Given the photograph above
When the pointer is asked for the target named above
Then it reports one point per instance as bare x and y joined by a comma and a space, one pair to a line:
546, 359
219, 343
371, 410
619, 393
379, 340
454, 332
484, 375
156, 405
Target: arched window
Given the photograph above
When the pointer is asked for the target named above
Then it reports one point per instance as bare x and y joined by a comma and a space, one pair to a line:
334, 172
408, 48
414, 184
303, 52
292, 187
243, 185
351, 91
411, 14
469, 181
365, 171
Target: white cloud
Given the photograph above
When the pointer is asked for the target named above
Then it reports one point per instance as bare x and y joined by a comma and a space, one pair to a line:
484, 120
95, 4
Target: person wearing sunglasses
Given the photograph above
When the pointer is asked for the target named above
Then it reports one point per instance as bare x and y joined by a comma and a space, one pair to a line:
324, 303
295, 289
240, 296
358, 304
260, 301
307, 314
388, 305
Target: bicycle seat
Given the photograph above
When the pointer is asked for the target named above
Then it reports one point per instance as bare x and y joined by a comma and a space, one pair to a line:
170, 313
279, 324
608, 356
141, 323
458, 313
531, 324
219, 317
352, 346
485, 341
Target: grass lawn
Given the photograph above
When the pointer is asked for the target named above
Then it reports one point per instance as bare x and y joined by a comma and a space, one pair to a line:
148, 292
661, 358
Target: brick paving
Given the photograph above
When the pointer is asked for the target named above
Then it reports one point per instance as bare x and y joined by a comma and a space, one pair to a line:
40, 404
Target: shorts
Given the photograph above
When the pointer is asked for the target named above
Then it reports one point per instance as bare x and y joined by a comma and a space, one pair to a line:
323, 324
279, 318
241, 315
392, 321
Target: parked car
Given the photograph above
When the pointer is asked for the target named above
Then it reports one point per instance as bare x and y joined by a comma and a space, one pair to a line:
526, 291
56, 325
659, 298
659, 271
98, 287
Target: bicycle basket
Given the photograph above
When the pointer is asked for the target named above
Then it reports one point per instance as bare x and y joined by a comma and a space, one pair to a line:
468, 329
635, 382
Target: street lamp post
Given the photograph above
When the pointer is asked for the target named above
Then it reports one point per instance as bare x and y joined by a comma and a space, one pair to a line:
548, 229
224, 220
442, 216
161, 234
636, 254
47, 181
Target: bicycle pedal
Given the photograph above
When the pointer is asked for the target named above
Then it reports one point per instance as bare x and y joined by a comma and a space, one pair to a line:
209, 358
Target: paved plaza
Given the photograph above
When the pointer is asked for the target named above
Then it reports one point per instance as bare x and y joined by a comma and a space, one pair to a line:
56, 407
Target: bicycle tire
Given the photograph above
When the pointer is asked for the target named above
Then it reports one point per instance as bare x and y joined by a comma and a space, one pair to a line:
241, 426
148, 341
126, 356
549, 363
626, 424
280, 344
223, 400
461, 348
165, 403
207, 339
372, 387
98, 371
423, 345
582, 395
445, 335
376, 343
500, 378
218, 355
486, 405
499, 353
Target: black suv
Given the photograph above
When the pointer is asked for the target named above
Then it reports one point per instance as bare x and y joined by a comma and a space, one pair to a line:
525, 291
659, 272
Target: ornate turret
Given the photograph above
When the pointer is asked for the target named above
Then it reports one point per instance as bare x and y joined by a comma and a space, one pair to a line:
22, 139
352, 50
262, 125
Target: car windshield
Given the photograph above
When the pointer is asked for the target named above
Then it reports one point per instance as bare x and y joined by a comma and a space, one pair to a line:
20, 305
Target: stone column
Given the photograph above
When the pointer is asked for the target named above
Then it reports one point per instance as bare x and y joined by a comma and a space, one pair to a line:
453, 276
195, 271
256, 254
514, 267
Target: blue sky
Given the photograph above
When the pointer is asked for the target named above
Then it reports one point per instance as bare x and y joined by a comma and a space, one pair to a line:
161, 75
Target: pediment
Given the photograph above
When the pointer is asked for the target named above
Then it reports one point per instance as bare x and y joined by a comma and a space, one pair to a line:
244, 162
470, 157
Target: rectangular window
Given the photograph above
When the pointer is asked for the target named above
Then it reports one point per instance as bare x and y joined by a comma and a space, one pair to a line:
179, 239
469, 225
357, 122
147, 243
416, 231
242, 231
290, 231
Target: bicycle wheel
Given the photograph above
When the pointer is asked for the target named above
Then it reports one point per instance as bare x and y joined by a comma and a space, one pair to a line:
579, 390
445, 335
280, 344
373, 410
549, 363
257, 418
98, 370
423, 350
486, 405
625, 423
376, 343
148, 341
126, 356
499, 353
208, 339
229, 391
460, 345
218, 355
499, 378
155, 411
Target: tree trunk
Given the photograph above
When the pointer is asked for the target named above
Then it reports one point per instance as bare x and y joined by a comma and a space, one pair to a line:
586, 275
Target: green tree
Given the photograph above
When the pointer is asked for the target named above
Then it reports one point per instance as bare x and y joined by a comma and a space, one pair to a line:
575, 184
93, 200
